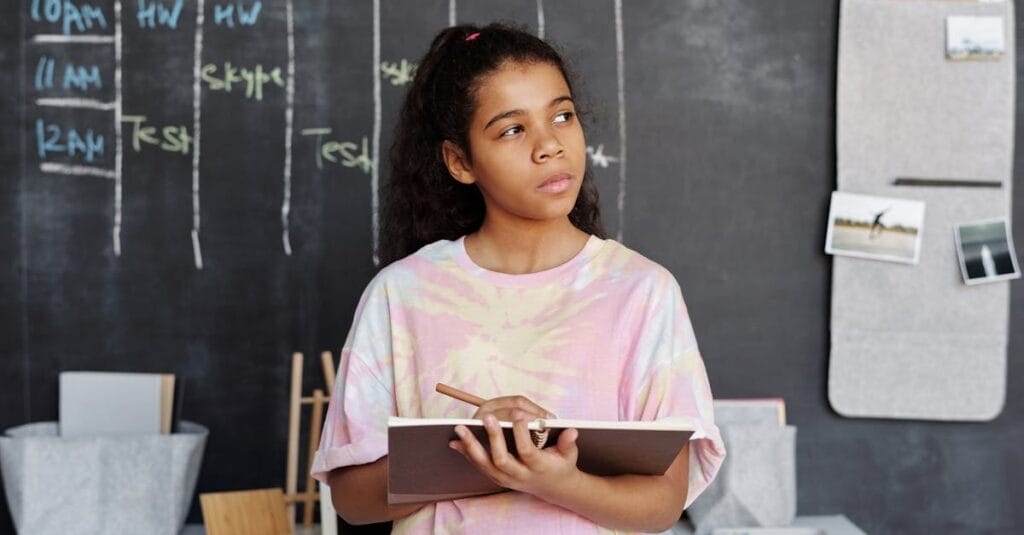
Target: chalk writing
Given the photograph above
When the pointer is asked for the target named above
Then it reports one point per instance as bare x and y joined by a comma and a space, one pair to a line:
153, 13
72, 16
598, 157
53, 138
226, 13
254, 78
80, 77
399, 73
351, 154
173, 138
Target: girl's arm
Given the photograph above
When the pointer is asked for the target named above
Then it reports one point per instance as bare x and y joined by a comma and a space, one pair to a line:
627, 502
360, 494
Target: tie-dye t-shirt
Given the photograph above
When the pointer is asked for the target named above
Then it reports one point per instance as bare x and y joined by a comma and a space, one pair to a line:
604, 336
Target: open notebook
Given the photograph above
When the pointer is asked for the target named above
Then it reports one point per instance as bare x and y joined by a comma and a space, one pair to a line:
421, 466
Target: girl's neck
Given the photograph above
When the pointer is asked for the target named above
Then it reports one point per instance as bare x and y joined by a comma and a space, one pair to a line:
519, 248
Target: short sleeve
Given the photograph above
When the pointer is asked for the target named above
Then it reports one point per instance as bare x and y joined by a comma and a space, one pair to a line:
355, 427
667, 380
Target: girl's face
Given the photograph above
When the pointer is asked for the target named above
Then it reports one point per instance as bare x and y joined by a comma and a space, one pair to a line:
527, 146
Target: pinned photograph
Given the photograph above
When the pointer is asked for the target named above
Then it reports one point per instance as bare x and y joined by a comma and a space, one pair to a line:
879, 228
986, 251
970, 38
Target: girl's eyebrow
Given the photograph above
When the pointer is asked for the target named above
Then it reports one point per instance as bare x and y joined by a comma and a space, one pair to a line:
513, 113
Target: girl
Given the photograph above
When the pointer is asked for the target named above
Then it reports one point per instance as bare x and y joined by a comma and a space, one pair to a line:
502, 282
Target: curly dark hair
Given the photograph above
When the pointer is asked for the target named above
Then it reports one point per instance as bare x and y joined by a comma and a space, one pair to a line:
421, 202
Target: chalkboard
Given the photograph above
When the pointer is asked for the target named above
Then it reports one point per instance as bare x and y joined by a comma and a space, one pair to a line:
200, 198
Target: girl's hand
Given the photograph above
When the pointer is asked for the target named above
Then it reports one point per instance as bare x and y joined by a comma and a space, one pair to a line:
511, 408
541, 472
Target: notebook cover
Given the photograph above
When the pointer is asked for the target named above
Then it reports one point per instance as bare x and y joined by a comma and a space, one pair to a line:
421, 466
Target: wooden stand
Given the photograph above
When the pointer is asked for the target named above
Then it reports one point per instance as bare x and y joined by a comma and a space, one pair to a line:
318, 401
245, 512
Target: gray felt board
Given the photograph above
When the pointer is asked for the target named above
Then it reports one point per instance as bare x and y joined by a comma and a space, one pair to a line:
912, 341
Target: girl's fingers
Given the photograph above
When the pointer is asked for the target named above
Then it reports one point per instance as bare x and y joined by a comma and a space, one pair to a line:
526, 405
472, 448
567, 444
500, 456
524, 443
511, 408
475, 452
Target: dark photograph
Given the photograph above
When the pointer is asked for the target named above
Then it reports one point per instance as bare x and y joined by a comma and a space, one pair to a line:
986, 252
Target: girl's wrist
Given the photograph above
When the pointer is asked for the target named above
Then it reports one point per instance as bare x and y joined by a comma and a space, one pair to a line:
565, 488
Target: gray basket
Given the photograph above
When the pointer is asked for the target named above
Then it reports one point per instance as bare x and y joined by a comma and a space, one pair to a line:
138, 484
756, 485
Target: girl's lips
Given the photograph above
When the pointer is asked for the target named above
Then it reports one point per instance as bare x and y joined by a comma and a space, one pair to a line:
556, 183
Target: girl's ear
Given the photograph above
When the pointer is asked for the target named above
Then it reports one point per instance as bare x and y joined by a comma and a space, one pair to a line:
457, 163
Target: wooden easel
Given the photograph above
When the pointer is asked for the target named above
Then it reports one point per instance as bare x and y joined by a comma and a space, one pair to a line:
318, 400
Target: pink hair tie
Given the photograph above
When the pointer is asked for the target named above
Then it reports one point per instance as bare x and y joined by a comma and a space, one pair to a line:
472, 36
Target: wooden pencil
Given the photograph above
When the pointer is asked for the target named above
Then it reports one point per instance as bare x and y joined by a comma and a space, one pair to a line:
459, 394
